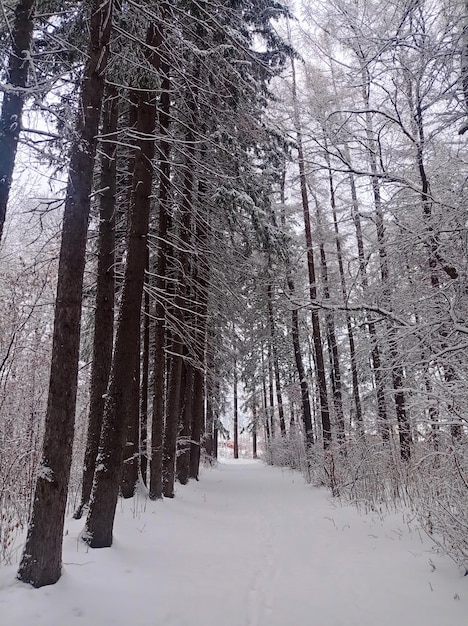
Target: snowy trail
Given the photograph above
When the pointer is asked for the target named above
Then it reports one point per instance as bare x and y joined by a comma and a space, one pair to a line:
248, 545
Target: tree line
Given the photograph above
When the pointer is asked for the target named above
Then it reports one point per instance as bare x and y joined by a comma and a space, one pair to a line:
257, 205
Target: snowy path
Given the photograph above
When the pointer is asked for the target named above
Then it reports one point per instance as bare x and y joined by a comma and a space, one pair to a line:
248, 545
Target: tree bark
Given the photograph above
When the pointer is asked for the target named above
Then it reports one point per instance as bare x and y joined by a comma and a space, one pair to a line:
103, 340
236, 412
100, 520
344, 293
305, 397
143, 431
13, 98
160, 362
316, 331
279, 395
41, 562
183, 453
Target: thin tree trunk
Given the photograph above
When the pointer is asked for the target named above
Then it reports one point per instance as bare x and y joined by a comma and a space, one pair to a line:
335, 370
344, 293
279, 396
183, 454
236, 412
316, 331
254, 431
271, 392
41, 562
103, 340
159, 363
13, 98
100, 520
382, 417
129, 473
200, 281
180, 304
397, 371
305, 397
143, 431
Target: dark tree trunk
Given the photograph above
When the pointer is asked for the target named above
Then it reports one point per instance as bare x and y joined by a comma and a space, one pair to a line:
236, 412
159, 363
210, 393
41, 562
305, 397
104, 315
143, 432
100, 521
279, 396
254, 431
344, 293
197, 422
129, 476
183, 453
13, 99
266, 411
335, 369
181, 303
382, 416
174, 405
316, 331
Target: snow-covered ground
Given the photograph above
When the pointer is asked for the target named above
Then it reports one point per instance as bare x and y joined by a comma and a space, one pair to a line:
249, 545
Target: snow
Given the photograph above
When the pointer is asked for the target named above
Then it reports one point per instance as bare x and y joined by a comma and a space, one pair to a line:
248, 545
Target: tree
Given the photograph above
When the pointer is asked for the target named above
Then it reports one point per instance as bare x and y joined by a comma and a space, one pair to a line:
15, 92
41, 561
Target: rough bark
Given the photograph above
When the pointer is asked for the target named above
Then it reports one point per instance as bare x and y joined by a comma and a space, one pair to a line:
279, 395
129, 474
13, 98
41, 562
334, 357
236, 412
159, 362
104, 314
100, 520
344, 293
305, 397
143, 431
183, 453
316, 330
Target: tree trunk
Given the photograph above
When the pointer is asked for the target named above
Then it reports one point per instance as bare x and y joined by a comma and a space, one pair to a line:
100, 521
143, 431
159, 363
181, 303
183, 453
129, 473
13, 98
382, 417
236, 412
397, 371
254, 431
335, 369
41, 562
344, 293
103, 340
279, 396
316, 331
305, 397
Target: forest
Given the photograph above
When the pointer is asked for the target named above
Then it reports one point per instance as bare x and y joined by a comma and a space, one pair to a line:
223, 215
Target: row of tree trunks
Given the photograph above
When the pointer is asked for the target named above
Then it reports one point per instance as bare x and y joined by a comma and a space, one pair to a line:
107, 477
103, 339
316, 330
42, 558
